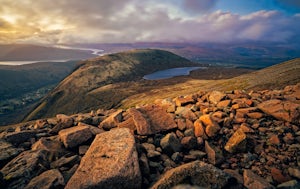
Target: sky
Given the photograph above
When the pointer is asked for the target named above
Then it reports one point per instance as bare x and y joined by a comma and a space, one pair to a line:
127, 21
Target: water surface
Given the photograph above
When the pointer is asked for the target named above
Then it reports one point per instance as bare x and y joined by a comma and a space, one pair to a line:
169, 73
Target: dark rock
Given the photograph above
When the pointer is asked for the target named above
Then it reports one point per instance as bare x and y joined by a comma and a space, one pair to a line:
111, 162
65, 162
196, 173
170, 143
189, 142
8, 151
20, 137
47, 180
27, 165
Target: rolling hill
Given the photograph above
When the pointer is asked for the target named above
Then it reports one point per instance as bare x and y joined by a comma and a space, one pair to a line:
26, 52
89, 86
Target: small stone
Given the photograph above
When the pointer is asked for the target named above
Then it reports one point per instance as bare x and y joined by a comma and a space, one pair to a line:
199, 129
112, 121
214, 154
288, 138
294, 172
292, 184
189, 142
237, 142
224, 103
253, 181
170, 143
212, 127
274, 140
198, 154
278, 176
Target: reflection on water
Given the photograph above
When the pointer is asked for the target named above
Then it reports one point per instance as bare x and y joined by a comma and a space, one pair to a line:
169, 73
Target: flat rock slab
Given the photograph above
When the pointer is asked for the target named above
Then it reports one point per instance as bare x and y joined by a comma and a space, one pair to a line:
19, 137
19, 171
75, 136
196, 173
282, 110
110, 162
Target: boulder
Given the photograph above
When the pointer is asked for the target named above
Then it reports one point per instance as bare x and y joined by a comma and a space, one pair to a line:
216, 96
253, 181
27, 165
75, 136
47, 180
63, 122
19, 137
184, 100
53, 145
112, 120
196, 173
152, 119
237, 142
212, 127
170, 143
8, 151
110, 162
282, 110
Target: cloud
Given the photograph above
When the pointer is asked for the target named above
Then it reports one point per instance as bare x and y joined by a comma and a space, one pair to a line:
95, 21
198, 6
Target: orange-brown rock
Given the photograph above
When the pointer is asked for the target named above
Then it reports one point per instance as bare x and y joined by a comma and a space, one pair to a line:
278, 176
183, 100
198, 129
112, 120
129, 123
274, 140
75, 136
255, 115
142, 125
224, 103
110, 162
253, 181
237, 142
212, 127
53, 145
196, 173
282, 110
216, 96
156, 119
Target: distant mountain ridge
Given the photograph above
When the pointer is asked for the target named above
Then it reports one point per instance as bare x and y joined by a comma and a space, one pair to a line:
26, 52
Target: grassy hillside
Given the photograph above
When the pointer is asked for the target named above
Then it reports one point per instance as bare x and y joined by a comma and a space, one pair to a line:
273, 77
18, 80
88, 87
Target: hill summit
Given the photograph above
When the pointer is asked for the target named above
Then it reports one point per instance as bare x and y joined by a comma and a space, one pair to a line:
88, 87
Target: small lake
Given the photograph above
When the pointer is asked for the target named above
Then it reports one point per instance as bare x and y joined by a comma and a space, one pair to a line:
21, 62
169, 73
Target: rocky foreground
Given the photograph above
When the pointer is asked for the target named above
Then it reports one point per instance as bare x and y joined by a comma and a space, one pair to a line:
232, 139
